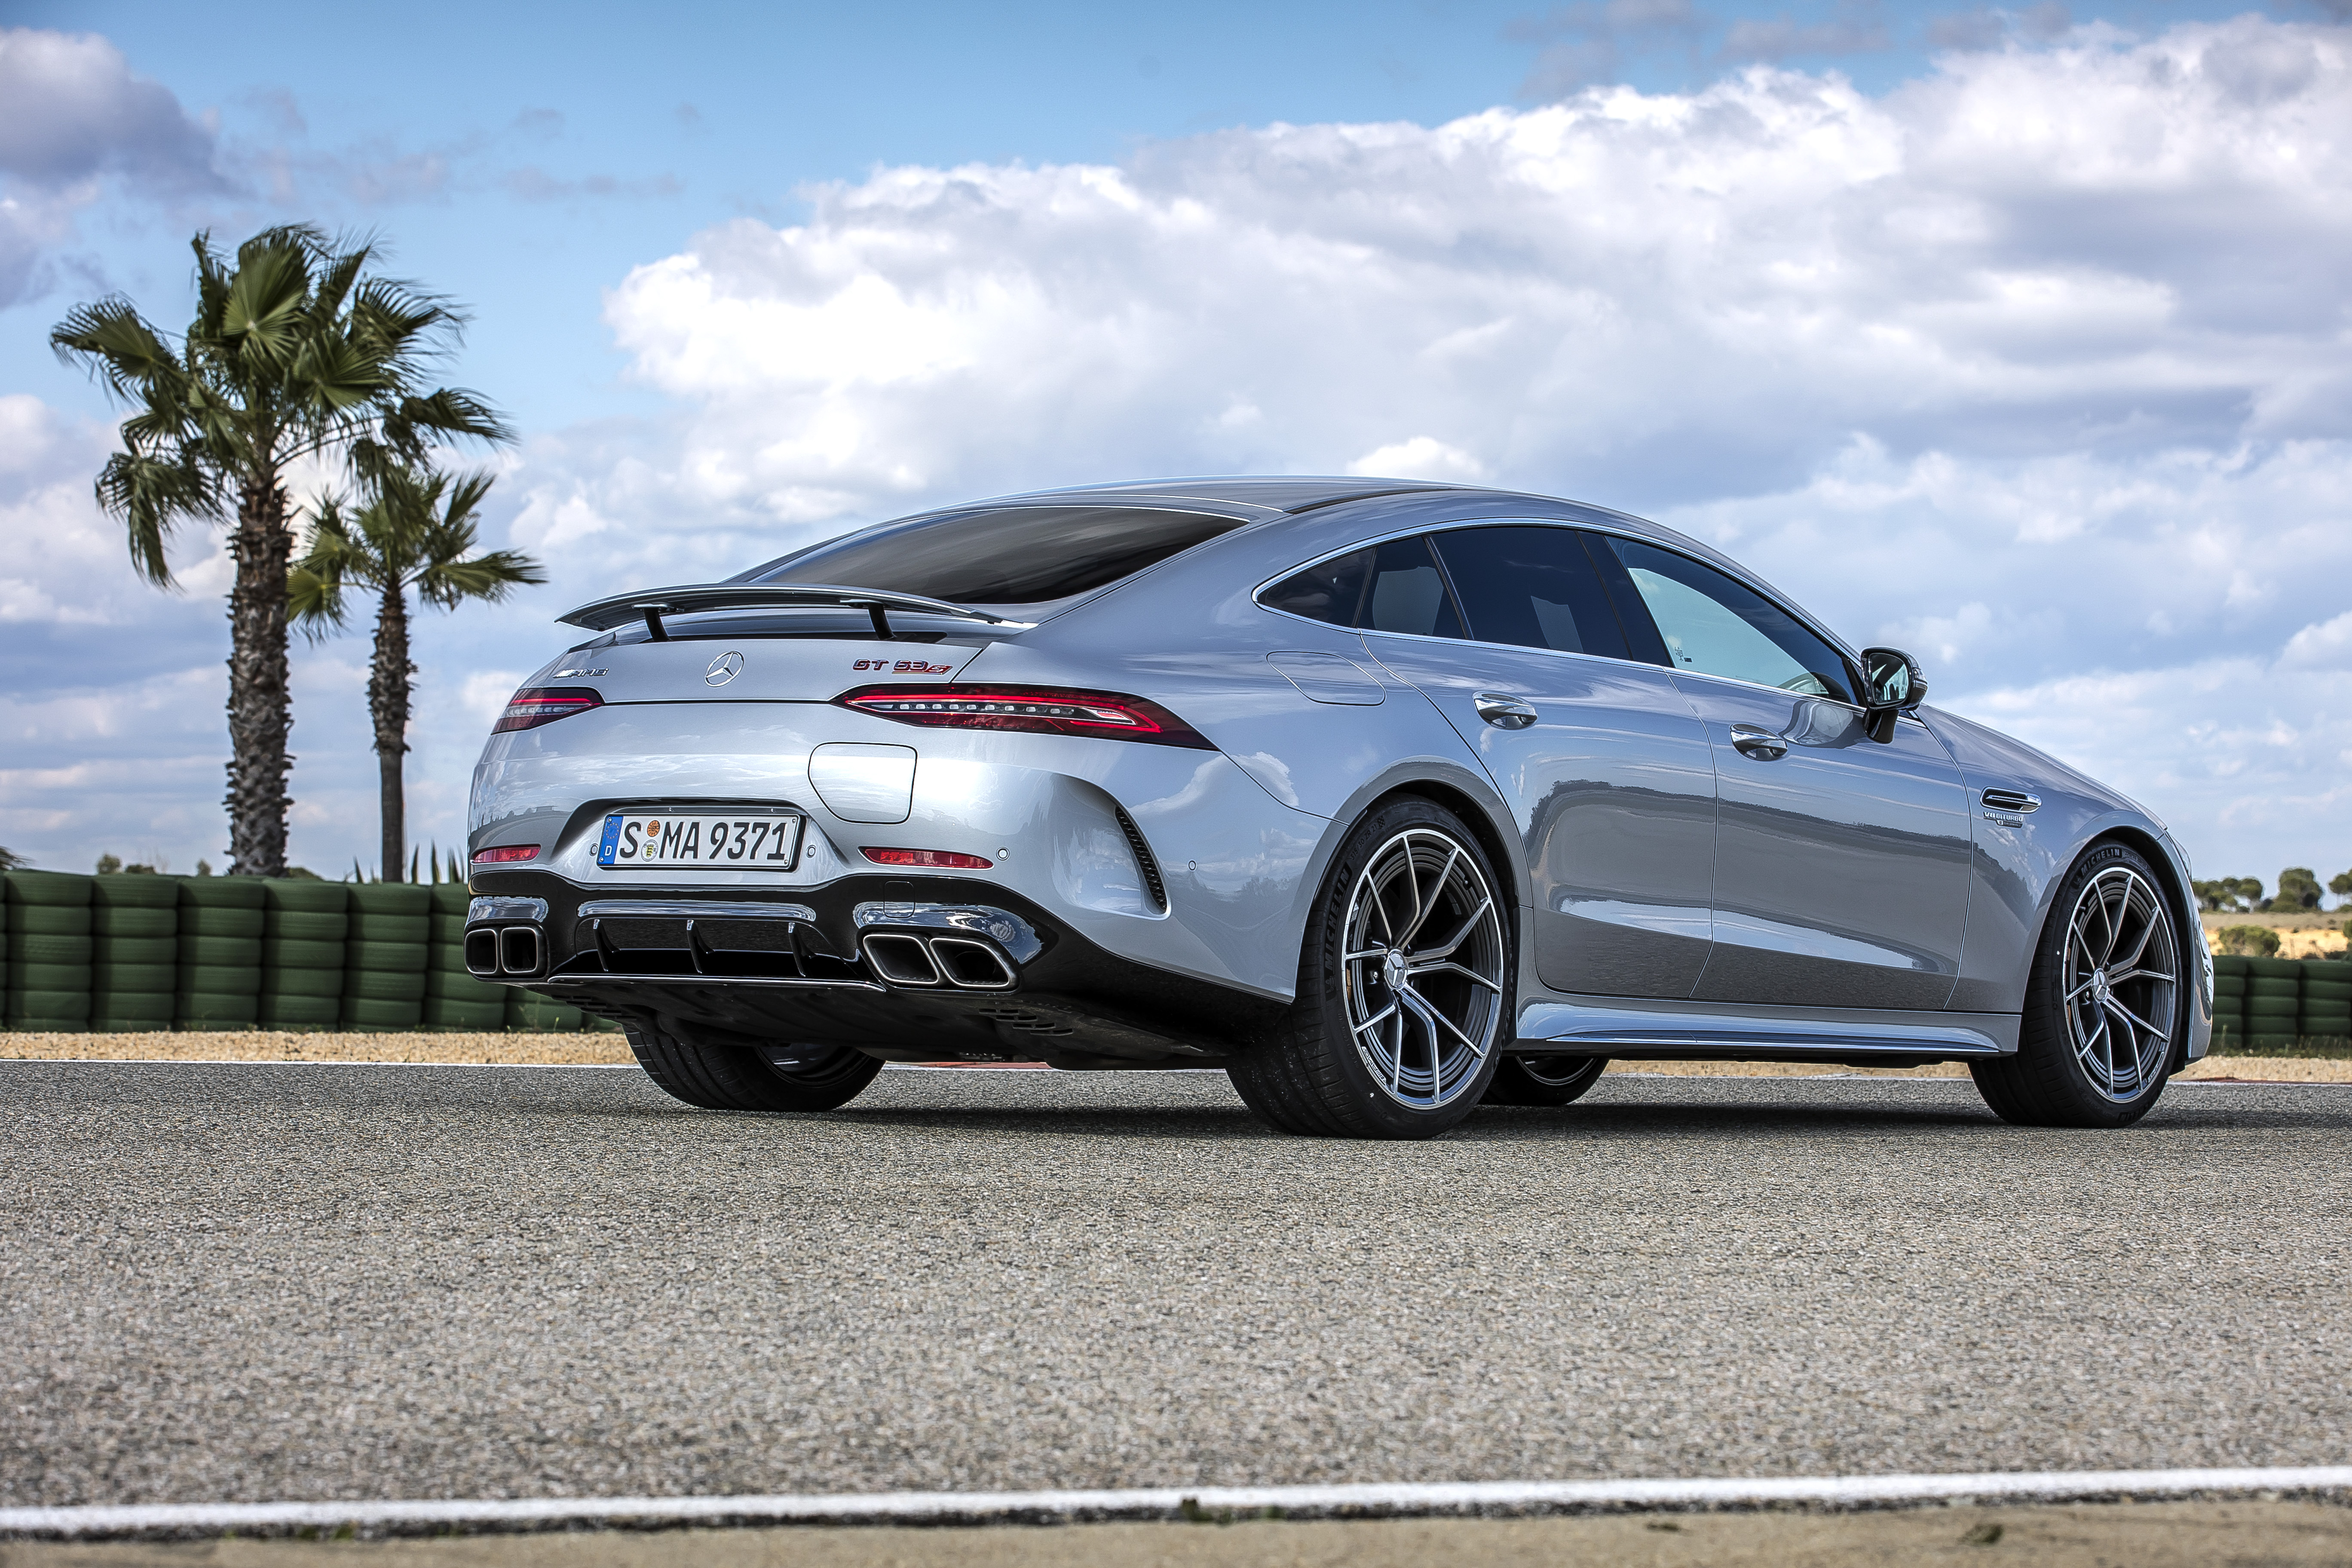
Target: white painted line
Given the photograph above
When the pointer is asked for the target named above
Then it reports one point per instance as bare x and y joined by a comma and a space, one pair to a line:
1375, 1499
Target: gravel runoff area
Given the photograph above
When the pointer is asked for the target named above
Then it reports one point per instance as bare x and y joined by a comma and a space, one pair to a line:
292, 1282
606, 1049
2146, 1535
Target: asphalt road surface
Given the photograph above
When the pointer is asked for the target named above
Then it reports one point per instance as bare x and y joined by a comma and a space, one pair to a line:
264, 1282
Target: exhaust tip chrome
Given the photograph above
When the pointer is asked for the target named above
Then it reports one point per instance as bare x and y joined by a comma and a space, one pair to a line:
972, 966
519, 950
902, 960
482, 952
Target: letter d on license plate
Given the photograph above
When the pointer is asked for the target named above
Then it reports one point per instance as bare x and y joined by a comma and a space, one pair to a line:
668, 840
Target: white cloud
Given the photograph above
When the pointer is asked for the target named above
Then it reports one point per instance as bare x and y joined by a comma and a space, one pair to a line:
76, 116
2038, 363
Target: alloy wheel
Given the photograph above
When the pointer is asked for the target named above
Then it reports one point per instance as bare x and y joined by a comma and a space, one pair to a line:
1424, 959
2122, 983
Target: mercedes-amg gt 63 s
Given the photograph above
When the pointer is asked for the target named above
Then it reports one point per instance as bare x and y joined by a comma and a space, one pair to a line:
1386, 798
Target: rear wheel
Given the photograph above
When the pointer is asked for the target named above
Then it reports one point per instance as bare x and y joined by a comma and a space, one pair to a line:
1544, 1080
1404, 987
2106, 1007
747, 1078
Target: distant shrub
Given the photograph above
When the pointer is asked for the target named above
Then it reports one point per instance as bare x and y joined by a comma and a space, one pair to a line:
2249, 941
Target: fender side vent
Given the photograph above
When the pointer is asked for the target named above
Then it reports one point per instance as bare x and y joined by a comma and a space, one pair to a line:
1143, 859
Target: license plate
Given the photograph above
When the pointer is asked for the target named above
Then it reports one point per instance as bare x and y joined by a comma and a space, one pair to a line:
667, 840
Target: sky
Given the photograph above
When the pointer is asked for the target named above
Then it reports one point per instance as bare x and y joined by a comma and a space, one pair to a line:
2017, 338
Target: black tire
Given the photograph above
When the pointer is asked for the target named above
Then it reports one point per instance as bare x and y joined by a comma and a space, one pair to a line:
1306, 1074
738, 1077
2047, 1083
1544, 1080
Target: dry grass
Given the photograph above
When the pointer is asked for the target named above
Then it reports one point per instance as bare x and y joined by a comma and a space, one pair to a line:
611, 1050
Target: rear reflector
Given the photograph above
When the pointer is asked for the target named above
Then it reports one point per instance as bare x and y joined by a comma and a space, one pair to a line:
1035, 710
537, 705
505, 854
939, 860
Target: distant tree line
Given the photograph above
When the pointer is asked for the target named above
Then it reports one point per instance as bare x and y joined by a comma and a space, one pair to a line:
2298, 892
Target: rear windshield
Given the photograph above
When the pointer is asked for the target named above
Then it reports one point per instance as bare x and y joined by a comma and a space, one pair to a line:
1007, 555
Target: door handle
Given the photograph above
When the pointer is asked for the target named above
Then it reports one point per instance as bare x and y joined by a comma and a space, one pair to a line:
1503, 711
1755, 740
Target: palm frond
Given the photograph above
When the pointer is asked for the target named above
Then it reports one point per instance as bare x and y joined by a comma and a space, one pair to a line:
263, 319
118, 346
451, 410
150, 495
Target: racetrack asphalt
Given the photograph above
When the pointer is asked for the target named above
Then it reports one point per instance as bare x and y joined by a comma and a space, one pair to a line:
252, 1282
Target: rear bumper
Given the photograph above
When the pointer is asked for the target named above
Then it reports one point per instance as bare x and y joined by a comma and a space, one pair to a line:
908, 969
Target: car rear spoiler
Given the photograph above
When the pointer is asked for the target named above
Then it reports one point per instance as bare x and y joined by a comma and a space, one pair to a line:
651, 606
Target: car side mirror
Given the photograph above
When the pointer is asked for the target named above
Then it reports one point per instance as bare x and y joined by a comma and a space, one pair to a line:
1892, 683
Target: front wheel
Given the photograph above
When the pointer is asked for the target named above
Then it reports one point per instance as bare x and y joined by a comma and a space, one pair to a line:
1404, 987
753, 1077
2107, 1005
1544, 1080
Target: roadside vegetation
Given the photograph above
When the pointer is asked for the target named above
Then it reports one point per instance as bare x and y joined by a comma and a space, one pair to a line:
299, 349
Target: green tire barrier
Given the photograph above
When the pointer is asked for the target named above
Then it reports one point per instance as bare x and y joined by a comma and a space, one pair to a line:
293, 952
49, 959
303, 927
202, 1010
112, 981
136, 923
220, 953
384, 959
360, 1012
212, 920
2275, 969
74, 950
46, 920
369, 926
309, 925
135, 953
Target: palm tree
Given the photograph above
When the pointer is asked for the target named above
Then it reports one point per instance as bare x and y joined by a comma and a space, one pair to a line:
297, 350
417, 530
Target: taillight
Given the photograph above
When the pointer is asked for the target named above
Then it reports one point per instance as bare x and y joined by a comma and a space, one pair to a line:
939, 860
537, 705
1037, 709
505, 854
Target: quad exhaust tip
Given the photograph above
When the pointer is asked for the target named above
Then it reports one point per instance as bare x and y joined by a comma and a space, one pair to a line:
494, 951
961, 963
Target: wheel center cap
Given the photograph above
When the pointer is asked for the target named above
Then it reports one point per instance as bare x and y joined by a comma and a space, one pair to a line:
2100, 989
1393, 969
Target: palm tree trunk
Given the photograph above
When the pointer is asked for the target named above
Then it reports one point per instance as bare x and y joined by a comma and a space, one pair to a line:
388, 703
259, 713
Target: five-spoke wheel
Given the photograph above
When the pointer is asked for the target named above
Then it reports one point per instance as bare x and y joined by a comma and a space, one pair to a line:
1404, 986
2105, 1005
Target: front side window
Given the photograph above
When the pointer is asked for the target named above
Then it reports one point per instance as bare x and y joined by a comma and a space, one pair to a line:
1530, 586
1715, 624
1003, 555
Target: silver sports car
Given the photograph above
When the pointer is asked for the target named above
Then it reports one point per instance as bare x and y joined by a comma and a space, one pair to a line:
1386, 798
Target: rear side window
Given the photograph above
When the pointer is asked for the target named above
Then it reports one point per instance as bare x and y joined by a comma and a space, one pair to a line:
1005, 555
1391, 587
1531, 586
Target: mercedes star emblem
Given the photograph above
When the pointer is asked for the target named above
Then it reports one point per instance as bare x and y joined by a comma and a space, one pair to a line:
724, 669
